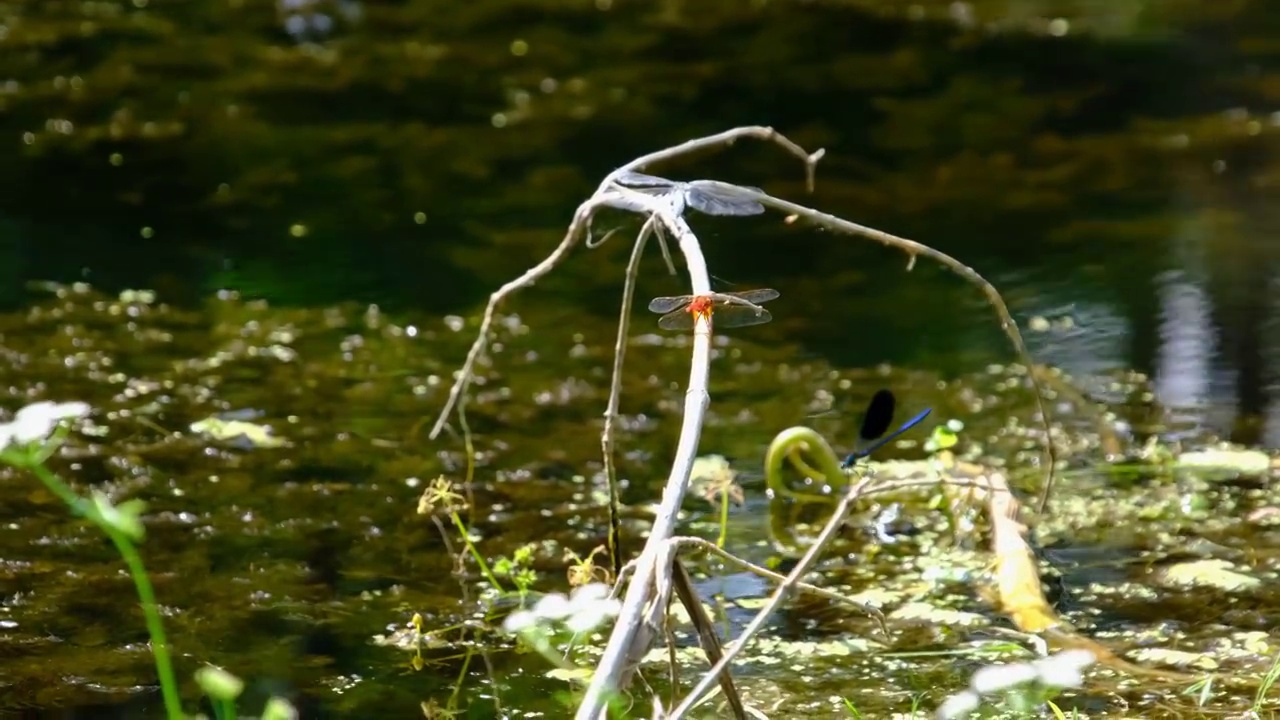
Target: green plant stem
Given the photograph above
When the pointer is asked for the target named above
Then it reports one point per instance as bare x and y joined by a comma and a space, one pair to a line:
466, 538
462, 678
724, 518
150, 611
788, 446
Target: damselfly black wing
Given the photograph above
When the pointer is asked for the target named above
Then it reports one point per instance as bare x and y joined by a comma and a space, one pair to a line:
875, 422
877, 419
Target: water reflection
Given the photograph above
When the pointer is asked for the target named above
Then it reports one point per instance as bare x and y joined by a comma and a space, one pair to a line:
1271, 355
1184, 357
315, 20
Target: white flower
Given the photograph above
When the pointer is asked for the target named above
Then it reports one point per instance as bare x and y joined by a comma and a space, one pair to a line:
36, 422
590, 593
519, 621
586, 610
590, 618
1064, 669
552, 606
994, 678
591, 607
959, 705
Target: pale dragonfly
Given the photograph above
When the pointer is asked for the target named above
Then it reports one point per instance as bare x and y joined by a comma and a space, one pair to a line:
701, 195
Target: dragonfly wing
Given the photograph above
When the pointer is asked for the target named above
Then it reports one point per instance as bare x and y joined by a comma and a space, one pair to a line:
678, 320
712, 199
640, 180
667, 304
727, 316
757, 296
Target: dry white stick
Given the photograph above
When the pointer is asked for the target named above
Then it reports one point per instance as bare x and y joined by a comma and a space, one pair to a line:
645, 600
650, 585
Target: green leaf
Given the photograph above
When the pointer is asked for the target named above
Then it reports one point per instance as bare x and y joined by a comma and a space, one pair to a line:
125, 518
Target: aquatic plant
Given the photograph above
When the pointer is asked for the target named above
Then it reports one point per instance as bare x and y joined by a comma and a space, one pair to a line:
34, 435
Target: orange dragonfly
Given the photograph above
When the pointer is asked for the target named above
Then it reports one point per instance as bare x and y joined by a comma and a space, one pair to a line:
733, 309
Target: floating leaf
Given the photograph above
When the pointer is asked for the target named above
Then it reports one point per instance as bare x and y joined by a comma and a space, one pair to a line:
1177, 658
1245, 462
582, 675
238, 432
1209, 573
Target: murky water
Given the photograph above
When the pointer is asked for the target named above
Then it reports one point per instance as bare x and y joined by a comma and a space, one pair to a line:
1111, 167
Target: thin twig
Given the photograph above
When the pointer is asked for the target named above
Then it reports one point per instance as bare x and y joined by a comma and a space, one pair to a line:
833, 596
829, 464
464, 375
470, 447
706, 633
615, 394
728, 137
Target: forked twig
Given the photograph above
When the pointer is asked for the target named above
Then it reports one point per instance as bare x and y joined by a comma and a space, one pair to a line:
581, 220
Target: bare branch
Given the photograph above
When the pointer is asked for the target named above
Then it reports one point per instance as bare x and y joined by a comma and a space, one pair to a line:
465, 374
725, 138
581, 220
